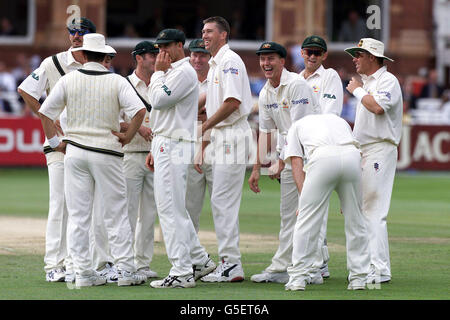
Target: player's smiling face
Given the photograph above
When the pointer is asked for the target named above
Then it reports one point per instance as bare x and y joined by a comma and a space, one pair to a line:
213, 38
313, 58
272, 66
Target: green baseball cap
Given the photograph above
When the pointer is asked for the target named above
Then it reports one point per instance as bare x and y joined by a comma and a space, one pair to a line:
197, 45
272, 47
170, 35
83, 23
144, 47
314, 41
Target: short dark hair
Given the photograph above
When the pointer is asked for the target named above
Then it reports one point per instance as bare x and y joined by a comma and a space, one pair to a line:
380, 61
95, 56
221, 23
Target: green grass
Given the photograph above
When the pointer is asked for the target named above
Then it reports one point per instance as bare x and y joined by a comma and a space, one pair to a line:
419, 231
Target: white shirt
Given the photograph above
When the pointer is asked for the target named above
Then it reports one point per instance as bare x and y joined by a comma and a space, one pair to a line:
40, 79
44, 78
174, 99
369, 127
227, 78
281, 106
138, 143
315, 131
327, 86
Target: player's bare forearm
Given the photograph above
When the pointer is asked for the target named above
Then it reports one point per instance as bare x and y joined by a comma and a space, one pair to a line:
264, 147
297, 172
226, 109
31, 102
48, 126
123, 126
135, 124
369, 102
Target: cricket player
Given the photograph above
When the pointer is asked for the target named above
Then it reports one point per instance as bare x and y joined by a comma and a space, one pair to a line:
332, 160
284, 99
58, 265
327, 87
378, 128
197, 182
173, 95
140, 191
93, 97
228, 104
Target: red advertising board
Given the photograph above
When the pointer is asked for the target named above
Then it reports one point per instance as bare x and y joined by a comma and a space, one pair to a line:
21, 142
424, 148
421, 147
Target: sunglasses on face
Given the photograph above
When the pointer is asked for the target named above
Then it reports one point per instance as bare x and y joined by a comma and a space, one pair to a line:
81, 32
359, 55
310, 52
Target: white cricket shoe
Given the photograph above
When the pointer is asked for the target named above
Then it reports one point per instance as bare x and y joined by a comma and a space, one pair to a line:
356, 284
55, 275
70, 277
202, 270
316, 279
110, 272
127, 278
89, 281
225, 272
296, 285
374, 277
174, 282
146, 271
277, 277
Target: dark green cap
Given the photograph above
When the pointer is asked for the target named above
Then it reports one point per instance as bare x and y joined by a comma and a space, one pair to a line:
83, 23
197, 45
314, 41
272, 47
144, 47
170, 35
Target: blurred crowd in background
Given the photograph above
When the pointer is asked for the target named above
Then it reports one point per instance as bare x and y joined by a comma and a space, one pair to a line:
425, 100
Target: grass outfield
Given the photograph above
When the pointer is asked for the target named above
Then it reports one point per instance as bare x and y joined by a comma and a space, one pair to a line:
419, 231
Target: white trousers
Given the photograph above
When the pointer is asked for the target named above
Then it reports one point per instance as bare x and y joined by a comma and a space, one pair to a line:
288, 207
98, 236
141, 206
231, 147
56, 254
331, 168
171, 159
84, 170
379, 162
195, 191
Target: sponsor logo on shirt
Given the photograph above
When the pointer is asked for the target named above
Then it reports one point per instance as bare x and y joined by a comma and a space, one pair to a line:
231, 70
35, 76
216, 80
166, 90
315, 88
301, 101
329, 96
227, 148
271, 106
376, 166
387, 94
284, 104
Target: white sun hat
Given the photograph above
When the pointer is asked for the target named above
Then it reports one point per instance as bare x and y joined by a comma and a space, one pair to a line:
374, 47
95, 42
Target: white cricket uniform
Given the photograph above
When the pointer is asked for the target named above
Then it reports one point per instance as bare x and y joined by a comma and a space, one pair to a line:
230, 140
141, 198
93, 158
41, 80
333, 162
278, 108
197, 182
174, 99
379, 136
327, 87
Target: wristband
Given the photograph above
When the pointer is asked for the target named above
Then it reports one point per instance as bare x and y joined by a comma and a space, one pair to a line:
54, 142
359, 93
